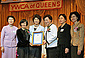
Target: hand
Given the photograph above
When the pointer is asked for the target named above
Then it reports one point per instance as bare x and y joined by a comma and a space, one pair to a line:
38, 45
66, 50
2, 49
16, 48
44, 41
57, 38
31, 44
43, 55
78, 52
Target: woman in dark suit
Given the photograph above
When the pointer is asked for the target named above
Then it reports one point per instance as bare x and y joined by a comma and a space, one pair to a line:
64, 37
23, 40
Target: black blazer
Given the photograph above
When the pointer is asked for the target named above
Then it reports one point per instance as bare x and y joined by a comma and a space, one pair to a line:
23, 38
64, 36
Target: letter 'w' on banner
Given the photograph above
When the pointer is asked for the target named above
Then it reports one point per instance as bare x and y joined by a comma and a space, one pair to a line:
37, 5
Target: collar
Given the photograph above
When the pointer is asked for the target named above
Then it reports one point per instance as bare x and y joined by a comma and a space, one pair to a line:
75, 25
49, 26
63, 25
10, 25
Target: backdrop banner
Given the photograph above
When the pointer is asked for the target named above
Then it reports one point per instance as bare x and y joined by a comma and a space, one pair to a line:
37, 5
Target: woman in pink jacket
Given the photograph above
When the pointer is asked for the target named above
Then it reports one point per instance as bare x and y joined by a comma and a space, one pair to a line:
8, 39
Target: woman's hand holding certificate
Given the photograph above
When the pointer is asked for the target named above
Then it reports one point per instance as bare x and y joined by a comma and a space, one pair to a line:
44, 42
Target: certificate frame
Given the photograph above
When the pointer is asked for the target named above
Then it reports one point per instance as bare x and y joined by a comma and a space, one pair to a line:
33, 38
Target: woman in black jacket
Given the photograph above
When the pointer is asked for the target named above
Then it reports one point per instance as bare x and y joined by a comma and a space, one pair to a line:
23, 36
64, 37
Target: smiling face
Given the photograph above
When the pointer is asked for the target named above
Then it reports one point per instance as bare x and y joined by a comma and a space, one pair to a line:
36, 21
23, 25
74, 18
62, 19
10, 21
47, 21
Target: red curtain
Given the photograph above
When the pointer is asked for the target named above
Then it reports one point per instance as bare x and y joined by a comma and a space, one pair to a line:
81, 6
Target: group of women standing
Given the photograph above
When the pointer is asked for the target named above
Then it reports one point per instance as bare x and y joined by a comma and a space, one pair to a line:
59, 43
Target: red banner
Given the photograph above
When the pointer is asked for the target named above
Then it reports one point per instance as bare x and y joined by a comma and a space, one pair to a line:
39, 5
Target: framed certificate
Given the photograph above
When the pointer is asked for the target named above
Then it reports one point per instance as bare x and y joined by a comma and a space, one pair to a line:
37, 38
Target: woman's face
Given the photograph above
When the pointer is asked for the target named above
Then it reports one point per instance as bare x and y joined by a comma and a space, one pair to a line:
62, 19
10, 21
36, 21
23, 25
74, 18
47, 21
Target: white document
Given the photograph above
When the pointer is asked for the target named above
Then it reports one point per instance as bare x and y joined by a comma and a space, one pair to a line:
37, 38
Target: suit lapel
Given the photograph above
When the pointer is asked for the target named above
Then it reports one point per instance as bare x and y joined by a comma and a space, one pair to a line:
38, 28
73, 27
76, 25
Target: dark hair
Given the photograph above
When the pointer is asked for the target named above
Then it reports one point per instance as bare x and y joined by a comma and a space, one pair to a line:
22, 21
37, 16
63, 16
77, 15
49, 16
11, 17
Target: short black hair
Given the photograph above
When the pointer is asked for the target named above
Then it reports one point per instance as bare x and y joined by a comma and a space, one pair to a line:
22, 21
77, 15
63, 16
37, 16
49, 16
11, 17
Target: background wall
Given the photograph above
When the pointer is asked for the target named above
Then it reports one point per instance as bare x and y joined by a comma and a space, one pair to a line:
68, 6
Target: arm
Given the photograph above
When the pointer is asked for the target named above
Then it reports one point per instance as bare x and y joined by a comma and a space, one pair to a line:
16, 40
16, 36
2, 39
42, 28
81, 38
43, 51
58, 33
2, 36
30, 35
68, 37
53, 34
